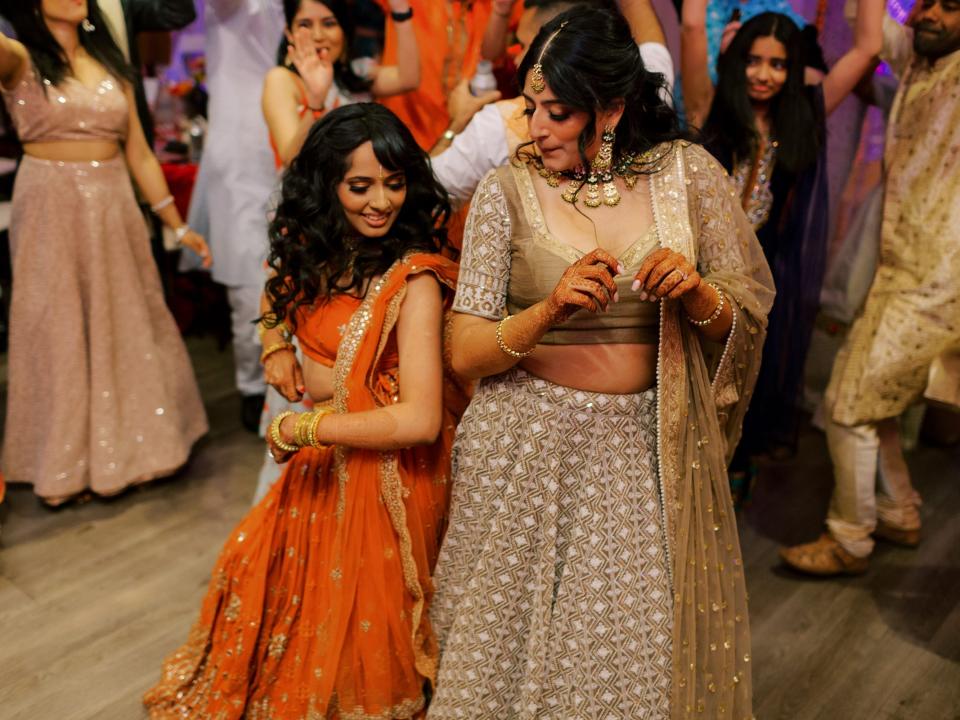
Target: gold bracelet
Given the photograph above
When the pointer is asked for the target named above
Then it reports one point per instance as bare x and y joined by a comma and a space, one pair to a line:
503, 345
275, 432
301, 428
276, 347
716, 313
281, 326
315, 425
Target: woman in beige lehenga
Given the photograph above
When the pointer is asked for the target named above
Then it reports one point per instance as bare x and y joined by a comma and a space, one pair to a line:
615, 318
101, 393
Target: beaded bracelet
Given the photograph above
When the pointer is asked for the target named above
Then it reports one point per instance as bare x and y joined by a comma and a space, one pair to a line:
275, 432
503, 345
161, 204
276, 347
721, 303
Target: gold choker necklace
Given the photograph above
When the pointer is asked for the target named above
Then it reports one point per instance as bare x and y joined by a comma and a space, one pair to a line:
590, 182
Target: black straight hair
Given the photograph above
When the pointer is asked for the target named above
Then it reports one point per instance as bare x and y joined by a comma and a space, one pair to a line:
343, 74
797, 121
314, 251
591, 63
48, 57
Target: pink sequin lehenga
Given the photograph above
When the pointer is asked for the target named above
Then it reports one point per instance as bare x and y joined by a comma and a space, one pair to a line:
101, 393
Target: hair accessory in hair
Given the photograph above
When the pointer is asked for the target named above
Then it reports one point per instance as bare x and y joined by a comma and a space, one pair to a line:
537, 83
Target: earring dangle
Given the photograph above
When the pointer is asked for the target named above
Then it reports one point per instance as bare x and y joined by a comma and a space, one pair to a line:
601, 170
87, 25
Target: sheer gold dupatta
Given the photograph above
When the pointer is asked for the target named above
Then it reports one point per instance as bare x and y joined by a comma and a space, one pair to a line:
703, 395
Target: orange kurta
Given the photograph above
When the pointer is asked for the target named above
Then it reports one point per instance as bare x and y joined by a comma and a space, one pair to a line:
449, 35
318, 602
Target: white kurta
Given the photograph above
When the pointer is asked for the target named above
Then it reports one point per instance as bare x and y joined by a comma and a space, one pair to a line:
237, 174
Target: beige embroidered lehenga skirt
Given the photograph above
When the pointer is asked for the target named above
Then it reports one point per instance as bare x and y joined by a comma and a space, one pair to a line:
101, 393
553, 598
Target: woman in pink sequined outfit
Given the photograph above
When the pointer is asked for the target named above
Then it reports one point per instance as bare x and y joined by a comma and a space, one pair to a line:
101, 393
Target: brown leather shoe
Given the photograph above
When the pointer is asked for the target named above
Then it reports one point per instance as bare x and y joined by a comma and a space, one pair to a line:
897, 535
824, 557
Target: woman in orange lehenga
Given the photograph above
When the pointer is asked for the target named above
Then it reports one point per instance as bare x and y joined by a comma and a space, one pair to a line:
318, 603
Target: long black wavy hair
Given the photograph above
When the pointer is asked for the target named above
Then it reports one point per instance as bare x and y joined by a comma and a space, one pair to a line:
797, 121
343, 74
46, 53
314, 251
592, 64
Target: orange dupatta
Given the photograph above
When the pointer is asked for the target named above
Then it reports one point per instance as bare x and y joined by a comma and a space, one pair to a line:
318, 603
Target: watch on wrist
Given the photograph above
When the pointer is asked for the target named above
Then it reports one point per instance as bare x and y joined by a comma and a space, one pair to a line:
399, 17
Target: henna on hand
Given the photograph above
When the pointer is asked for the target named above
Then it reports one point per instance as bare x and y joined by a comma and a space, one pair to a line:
588, 283
665, 274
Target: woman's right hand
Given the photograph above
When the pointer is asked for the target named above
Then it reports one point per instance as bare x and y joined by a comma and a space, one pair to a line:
588, 283
315, 68
283, 373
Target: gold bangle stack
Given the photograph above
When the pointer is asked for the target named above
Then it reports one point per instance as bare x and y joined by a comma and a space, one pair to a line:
276, 347
506, 349
716, 313
305, 433
275, 432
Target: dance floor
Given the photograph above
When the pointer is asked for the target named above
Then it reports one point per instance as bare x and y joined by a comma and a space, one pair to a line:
93, 595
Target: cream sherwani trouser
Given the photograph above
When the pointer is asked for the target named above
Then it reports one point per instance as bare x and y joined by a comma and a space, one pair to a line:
871, 480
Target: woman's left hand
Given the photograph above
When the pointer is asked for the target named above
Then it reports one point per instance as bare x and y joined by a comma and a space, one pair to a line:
195, 242
665, 274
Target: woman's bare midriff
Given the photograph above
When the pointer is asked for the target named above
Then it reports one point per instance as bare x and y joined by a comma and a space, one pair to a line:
318, 379
73, 150
611, 369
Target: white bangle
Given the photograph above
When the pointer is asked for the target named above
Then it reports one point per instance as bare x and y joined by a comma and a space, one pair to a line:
158, 206
181, 233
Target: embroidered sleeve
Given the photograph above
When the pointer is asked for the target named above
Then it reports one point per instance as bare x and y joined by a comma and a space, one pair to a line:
719, 225
485, 261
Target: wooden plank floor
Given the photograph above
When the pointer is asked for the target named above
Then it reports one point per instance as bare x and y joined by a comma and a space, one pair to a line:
93, 596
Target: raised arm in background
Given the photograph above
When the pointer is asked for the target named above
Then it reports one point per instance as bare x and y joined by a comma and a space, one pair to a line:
495, 36
13, 59
644, 23
694, 70
867, 43
405, 76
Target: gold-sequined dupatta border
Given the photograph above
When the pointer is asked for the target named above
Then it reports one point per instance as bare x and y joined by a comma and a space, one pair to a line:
350, 343
668, 196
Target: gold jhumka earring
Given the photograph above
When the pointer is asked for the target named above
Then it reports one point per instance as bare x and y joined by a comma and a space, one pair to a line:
601, 171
